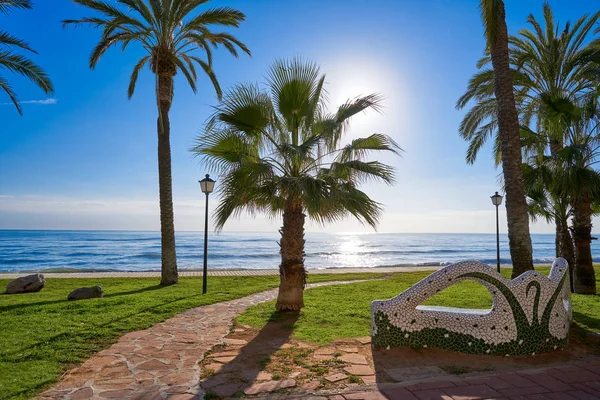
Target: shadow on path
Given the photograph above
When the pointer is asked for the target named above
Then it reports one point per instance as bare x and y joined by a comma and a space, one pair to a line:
242, 371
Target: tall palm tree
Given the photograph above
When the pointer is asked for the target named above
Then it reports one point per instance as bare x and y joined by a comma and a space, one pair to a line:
581, 184
496, 33
170, 31
279, 152
568, 178
17, 63
547, 62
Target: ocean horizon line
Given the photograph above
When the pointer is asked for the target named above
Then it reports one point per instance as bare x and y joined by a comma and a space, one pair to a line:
265, 232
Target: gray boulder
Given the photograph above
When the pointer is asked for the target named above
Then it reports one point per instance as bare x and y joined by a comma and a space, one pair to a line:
26, 284
86, 293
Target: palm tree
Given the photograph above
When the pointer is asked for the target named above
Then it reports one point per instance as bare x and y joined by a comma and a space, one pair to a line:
581, 185
170, 31
567, 178
494, 21
18, 63
547, 63
279, 152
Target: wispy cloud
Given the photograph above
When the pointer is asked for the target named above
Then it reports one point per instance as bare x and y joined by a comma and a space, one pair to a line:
42, 102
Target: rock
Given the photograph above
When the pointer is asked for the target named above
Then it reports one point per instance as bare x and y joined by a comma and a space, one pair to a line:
25, 284
86, 293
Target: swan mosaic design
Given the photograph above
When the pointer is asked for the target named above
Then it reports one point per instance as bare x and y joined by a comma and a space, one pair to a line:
530, 314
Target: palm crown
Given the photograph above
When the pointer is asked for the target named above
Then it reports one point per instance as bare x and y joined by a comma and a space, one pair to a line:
167, 31
17, 63
547, 64
280, 149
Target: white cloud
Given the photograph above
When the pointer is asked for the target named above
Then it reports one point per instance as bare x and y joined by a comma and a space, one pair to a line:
42, 102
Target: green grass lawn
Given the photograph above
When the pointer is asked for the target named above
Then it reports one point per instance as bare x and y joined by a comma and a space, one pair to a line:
42, 334
336, 312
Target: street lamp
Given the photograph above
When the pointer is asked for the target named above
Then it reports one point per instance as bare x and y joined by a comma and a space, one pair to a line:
206, 185
496, 200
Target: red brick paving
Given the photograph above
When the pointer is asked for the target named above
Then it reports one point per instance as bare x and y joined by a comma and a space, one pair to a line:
557, 383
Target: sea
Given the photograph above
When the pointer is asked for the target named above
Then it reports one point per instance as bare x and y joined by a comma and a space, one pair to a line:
38, 251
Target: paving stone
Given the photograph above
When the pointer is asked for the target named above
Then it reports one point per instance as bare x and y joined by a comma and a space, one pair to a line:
336, 377
118, 394
432, 394
223, 354
270, 386
492, 382
235, 341
264, 376
178, 389
399, 394
82, 394
324, 351
369, 379
364, 339
311, 385
354, 359
414, 373
550, 383
435, 385
227, 390
323, 357
581, 395
516, 380
224, 360
182, 397
577, 376
348, 349
473, 392
523, 391
365, 396
154, 365
359, 370
214, 367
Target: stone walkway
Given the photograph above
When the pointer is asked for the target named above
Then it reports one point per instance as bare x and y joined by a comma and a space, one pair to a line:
160, 362
225, 272
167, 361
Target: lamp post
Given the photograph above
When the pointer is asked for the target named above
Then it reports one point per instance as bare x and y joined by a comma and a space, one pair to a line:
496, 200
206, 185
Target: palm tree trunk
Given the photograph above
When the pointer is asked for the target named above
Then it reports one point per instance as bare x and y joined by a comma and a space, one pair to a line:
564, 245
291, 271
169, 274
585, 277
509, 132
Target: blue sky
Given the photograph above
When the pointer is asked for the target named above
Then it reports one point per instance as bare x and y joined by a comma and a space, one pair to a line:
88, 160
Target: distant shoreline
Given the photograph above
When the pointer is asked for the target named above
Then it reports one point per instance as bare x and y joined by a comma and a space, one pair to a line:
423, 266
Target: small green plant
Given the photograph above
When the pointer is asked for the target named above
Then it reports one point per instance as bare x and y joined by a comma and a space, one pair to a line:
211, 396
286, 369
300, 362
265, 361
276, 376
354, 379
318, 370
208, 372
337, 354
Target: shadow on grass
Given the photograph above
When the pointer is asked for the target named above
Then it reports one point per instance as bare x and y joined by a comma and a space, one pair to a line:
136, 291
13, 307
588, 321
48, 342
49, 302
240, 373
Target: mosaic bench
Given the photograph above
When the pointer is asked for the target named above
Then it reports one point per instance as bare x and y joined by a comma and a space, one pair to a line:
530, 314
